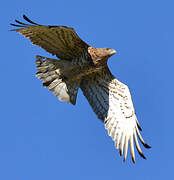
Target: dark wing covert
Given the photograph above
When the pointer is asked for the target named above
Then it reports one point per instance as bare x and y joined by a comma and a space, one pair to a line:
61, 41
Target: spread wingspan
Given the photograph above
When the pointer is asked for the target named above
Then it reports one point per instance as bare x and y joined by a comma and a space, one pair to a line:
86, 67
111, 101
61, 41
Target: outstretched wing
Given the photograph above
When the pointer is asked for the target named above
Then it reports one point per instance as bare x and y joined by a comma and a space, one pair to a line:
61, 41
111, 101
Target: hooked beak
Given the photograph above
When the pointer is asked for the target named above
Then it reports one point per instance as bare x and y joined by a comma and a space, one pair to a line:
112, 52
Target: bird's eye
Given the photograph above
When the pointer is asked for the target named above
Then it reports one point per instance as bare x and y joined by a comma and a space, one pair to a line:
107, 49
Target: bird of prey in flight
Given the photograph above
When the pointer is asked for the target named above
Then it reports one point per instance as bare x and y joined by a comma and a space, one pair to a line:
83, 66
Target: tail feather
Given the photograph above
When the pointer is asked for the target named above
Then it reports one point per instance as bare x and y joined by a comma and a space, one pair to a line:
51, 72
61, 91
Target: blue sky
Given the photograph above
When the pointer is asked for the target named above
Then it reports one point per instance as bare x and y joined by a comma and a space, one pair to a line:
42, 138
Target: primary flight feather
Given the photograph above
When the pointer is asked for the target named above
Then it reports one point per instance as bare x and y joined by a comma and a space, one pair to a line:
83, 66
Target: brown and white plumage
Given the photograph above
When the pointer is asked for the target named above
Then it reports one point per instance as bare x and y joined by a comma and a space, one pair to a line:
61, 41
85, 67
111, 101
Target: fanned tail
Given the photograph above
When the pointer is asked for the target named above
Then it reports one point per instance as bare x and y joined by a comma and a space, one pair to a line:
51, 72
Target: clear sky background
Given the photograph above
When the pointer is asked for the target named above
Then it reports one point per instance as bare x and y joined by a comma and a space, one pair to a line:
44, 139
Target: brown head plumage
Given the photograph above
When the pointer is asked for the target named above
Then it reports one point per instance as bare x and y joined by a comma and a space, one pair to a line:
100, 55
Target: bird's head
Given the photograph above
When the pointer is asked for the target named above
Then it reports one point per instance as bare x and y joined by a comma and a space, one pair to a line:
107, 52
100, 55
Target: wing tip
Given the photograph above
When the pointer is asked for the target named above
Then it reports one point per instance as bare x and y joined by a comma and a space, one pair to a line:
28, 20
133, 160
139, 127
23, 25
24, 16
120, 152
142, 155
147, 146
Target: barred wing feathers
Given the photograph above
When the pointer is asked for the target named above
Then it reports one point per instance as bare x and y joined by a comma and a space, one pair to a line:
61, 41
111, 101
